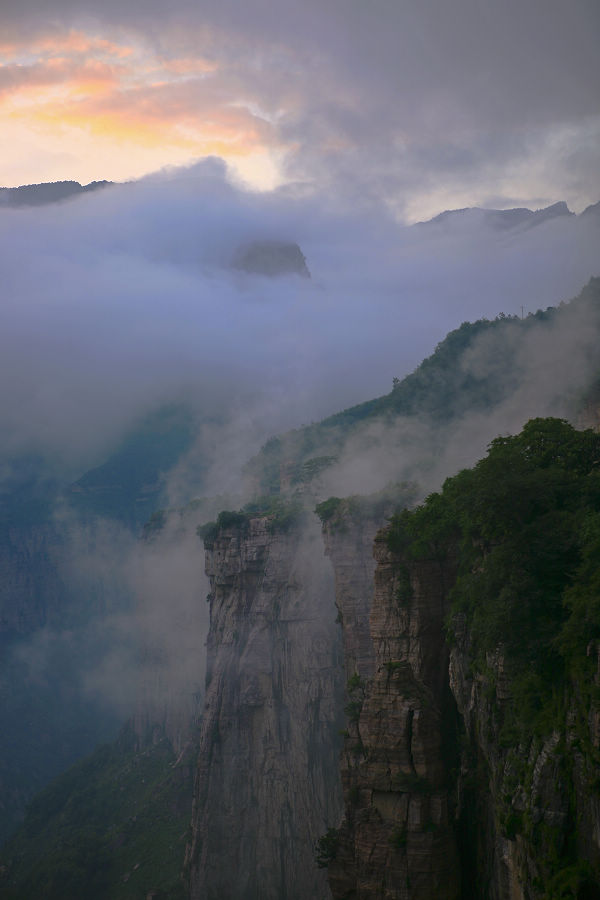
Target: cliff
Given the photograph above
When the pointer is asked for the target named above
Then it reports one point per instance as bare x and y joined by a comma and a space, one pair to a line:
271, 258
349, 529
397, 838
470, 646
468, 765
471, 759
531, 808
267, 783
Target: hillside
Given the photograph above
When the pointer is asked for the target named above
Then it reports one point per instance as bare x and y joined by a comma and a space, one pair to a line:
47, 192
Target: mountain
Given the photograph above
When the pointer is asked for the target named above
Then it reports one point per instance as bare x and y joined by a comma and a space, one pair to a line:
56, 612
47, 192
469, 763
593, 210
498, 219
271, 258
455, 669
128, 486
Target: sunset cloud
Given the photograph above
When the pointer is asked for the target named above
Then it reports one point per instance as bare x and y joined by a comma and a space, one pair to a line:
134, 99
19, 81
419, 106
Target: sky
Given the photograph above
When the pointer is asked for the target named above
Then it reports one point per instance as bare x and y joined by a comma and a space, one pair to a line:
421, 106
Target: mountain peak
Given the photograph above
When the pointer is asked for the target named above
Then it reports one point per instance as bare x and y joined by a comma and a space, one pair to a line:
271, 258
499, 219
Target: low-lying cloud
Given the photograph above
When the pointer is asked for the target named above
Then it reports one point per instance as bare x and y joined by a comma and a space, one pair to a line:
541, 369
124, 299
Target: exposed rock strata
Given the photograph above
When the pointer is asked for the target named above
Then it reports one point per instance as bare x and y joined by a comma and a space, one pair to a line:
349, 544
267, 784
440, 804
531, 801
439, 801
397, 839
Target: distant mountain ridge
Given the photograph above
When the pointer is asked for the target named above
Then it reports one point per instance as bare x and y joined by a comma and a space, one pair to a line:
502, 219
497, 219
47, 192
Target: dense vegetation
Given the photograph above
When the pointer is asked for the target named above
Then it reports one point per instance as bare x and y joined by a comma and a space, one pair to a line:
524, 525
281, 514
522, 531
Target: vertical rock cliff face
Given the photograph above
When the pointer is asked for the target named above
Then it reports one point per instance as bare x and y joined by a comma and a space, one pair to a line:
348, 540
535, 802
445, 796
267, 784
441, 801
397, 838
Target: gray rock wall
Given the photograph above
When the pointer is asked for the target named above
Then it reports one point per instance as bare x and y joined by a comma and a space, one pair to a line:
267, 784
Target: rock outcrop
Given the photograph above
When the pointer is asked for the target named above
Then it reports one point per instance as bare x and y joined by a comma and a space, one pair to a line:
267, 784
348, 537
271, 258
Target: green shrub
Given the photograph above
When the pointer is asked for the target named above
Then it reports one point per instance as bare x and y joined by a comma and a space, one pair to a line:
328, 508
326, 847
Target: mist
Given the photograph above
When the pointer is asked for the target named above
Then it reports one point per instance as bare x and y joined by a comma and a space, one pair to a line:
125, 299
129, 639
543, 369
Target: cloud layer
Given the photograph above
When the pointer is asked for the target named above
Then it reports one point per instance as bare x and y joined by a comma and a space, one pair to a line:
425, 105
126, 298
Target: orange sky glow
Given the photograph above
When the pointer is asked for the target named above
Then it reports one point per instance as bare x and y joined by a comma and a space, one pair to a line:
85, 107
415, 111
